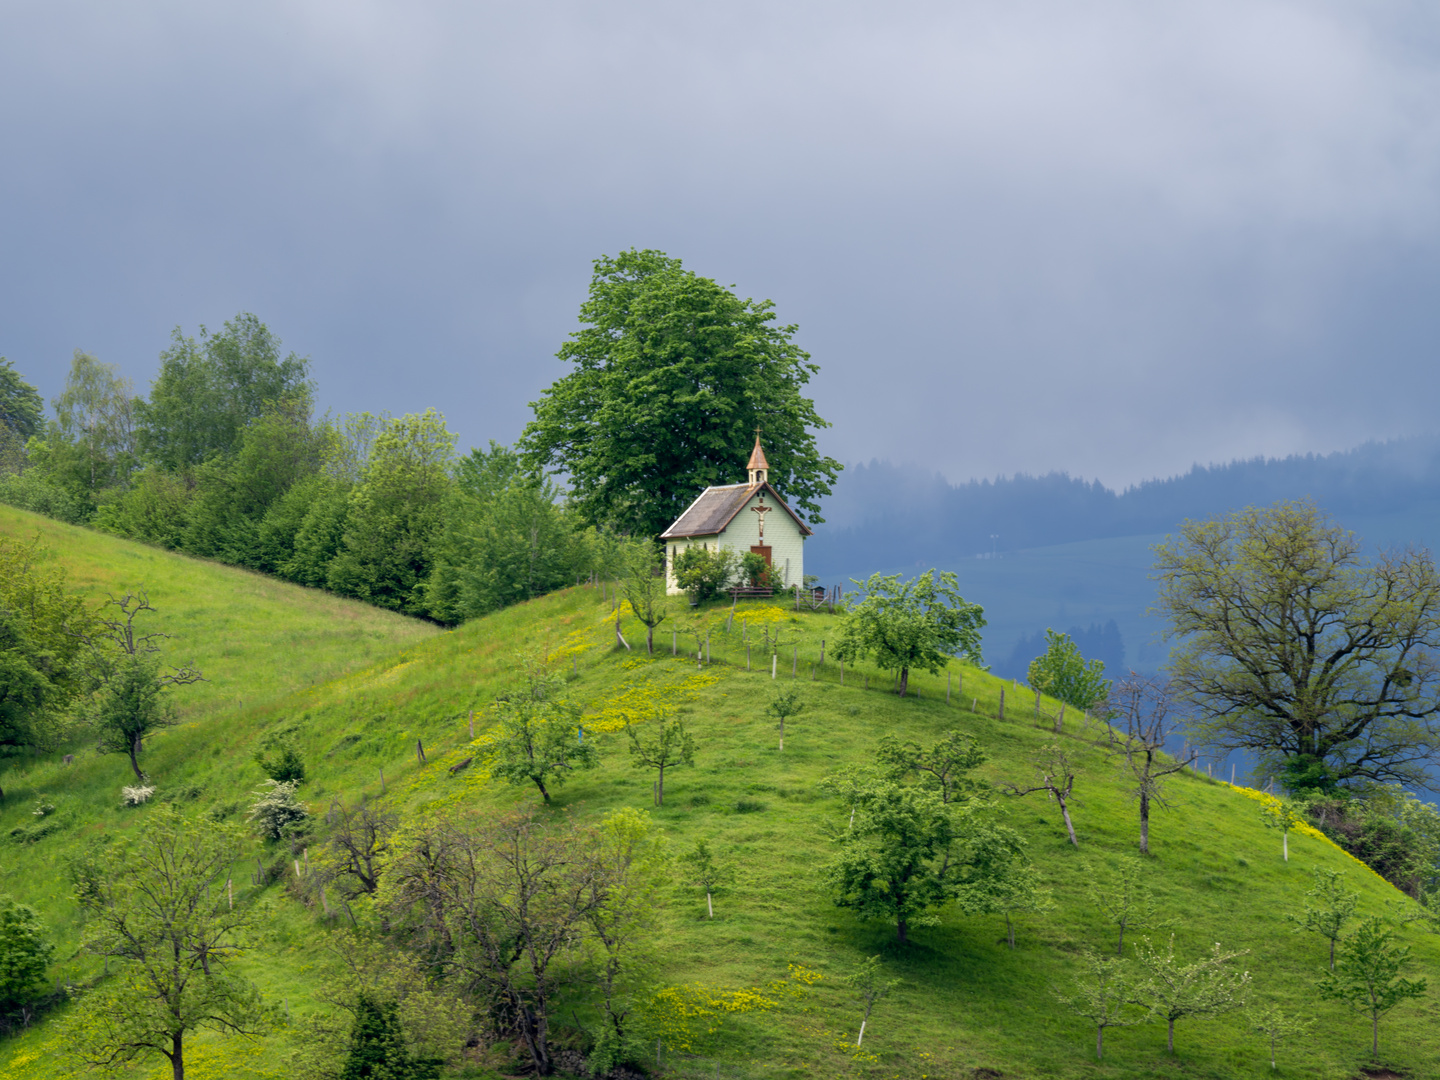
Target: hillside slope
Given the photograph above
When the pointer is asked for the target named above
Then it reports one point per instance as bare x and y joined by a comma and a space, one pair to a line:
968, 1001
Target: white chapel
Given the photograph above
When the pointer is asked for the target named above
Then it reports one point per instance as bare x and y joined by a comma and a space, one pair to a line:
742, 517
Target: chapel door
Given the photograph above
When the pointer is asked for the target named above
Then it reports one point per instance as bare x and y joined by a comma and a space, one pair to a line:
763, 550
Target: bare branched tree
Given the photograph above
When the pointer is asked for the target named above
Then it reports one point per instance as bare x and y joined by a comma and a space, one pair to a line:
1141, 712
1056, 774
504, 908
359, 842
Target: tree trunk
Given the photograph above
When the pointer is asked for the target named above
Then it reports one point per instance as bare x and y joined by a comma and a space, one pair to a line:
1099, 1042
660, 788
1009, 930
534, 1033
902, 930
1170, 1037
177, 1055
1144, 822
1375, 1036
1065, 813
135, 760
650, 640
1120, 943
709, 904
541, 785
782, 733
1332, 954
1285, 841
904, 680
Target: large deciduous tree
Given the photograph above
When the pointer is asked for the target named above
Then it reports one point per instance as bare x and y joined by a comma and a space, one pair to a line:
1292, 645
207, 391
920, 623
394, 515
672, 375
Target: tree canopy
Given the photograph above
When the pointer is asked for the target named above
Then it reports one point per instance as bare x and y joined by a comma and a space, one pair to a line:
1293, 646
21, 408
920, 623
672, 376
207, 391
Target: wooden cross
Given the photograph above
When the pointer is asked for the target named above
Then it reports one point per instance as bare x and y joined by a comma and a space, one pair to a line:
761, 510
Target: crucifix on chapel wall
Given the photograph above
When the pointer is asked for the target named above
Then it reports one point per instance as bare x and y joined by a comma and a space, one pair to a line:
760, 510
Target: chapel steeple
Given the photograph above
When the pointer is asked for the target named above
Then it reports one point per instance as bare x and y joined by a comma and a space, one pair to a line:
758, 467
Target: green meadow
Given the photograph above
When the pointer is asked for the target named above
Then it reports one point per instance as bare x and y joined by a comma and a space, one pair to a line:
358, 688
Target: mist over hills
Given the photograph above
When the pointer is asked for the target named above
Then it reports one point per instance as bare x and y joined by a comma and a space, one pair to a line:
1072, 554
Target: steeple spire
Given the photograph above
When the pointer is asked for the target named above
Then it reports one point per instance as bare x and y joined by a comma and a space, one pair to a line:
758, 467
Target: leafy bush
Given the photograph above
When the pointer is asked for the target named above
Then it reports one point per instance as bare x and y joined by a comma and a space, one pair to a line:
33, 492
704, 573
286, 766
24, 953
277, 808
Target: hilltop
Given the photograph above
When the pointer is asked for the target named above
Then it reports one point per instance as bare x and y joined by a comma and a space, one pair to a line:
357, 688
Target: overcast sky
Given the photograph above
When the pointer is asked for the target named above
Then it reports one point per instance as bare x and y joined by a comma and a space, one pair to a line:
1110, 238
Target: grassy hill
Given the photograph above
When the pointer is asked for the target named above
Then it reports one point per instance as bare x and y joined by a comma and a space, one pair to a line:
359, 687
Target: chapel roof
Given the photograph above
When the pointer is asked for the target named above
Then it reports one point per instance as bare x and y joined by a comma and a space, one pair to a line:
715, 507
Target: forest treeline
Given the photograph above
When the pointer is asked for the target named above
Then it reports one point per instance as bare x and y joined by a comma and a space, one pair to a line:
890, 515
225, 459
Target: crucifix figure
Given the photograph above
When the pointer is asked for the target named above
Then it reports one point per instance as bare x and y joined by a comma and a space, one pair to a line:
760, 510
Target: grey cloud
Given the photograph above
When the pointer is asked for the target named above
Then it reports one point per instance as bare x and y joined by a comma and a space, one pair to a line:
1114, 238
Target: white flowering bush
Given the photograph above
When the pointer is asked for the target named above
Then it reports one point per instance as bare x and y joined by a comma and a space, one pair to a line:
276, 808
134, 796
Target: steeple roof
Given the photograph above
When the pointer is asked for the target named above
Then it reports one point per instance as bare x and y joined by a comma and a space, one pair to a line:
757, 456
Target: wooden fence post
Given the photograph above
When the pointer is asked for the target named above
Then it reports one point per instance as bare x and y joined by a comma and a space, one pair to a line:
822, 652
1002, 704
472, 725
420, 751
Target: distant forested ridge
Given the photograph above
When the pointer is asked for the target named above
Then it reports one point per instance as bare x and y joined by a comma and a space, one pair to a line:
887, 515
